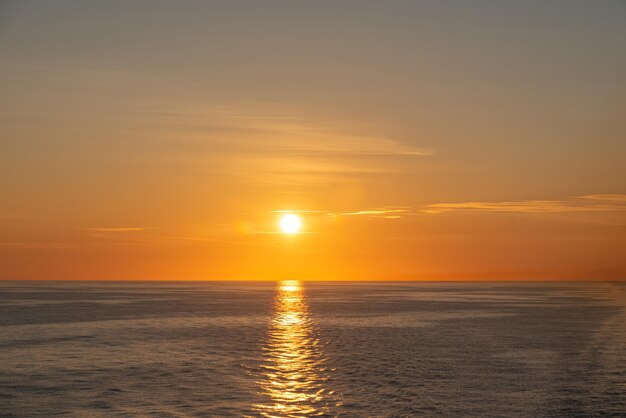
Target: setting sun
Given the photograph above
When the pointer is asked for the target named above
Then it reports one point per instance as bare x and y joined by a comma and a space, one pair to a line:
290, 224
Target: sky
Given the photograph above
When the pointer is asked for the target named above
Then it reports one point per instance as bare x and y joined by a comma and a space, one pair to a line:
416, 140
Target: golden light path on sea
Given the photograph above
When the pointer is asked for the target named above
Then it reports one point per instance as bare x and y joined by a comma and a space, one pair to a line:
294, 375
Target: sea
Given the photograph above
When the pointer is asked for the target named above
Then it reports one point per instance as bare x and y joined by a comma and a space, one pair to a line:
299, 349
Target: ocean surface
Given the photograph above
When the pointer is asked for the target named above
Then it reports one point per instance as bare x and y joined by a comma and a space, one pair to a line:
312, 349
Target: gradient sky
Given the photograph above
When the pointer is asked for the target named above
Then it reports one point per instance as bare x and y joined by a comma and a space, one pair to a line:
417, 139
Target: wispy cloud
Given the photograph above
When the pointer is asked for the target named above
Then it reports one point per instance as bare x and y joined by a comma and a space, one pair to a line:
274, 128
389, 212
587, 203
605, 197
116, 229
276, 145
298, 211
35, 245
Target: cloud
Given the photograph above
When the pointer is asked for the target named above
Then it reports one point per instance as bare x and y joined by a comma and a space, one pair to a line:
533, 206
298, 211
281, 129
35, 245
585, 203
389, 212
605, 197
117, 229
277, 145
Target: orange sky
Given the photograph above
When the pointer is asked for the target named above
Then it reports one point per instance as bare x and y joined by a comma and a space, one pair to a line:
416, 140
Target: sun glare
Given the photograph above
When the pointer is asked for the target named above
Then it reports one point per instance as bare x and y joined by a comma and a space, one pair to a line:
290, 224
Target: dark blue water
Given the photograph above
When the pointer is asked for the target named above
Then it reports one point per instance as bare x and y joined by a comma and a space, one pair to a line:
306, 349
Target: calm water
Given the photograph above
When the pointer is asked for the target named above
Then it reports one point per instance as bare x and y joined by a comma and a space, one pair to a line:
305, 349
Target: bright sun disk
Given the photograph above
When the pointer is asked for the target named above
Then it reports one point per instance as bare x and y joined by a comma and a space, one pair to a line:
290, 223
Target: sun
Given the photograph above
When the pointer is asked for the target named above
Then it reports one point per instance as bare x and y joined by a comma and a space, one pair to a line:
290, 223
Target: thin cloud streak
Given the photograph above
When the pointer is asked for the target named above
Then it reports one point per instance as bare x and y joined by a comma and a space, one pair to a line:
606, 197
392, 212
275, 145
584, 203
534, 206
117, 229
272, 127
383, 212
298, 211
35, 245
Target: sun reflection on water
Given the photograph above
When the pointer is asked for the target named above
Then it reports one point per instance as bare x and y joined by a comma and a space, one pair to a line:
294, 376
